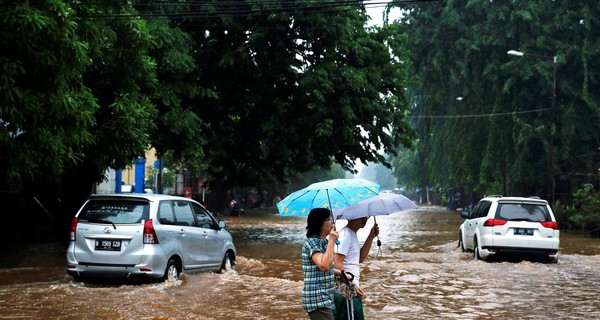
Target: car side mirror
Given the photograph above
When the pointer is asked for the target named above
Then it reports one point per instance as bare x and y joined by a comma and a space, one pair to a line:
222, 224
464, 214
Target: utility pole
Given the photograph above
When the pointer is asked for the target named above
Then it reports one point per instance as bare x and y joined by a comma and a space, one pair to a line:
550, 167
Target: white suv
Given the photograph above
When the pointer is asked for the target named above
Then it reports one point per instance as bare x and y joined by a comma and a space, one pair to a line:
512, 225
151, 235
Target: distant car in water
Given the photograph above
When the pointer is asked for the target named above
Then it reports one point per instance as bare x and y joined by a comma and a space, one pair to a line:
149, 235
510, 225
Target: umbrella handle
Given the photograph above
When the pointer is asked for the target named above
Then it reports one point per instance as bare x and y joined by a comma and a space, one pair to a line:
337, 242
378, 241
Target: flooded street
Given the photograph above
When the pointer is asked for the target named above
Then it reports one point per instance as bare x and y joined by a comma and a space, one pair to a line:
418, 273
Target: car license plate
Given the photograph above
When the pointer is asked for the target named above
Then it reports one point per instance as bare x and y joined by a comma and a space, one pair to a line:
523, 232
109, 245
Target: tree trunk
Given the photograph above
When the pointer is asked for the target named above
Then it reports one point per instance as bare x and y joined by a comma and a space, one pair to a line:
77, 185
217, 198
260, 200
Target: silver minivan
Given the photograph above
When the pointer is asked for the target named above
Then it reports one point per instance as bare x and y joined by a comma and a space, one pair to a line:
151, 235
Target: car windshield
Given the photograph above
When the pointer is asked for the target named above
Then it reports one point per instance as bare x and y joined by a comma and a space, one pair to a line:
522, 212
115, 211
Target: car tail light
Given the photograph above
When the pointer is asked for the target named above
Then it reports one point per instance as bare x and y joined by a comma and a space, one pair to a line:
550, 224
73, 229
494, 222
149, 234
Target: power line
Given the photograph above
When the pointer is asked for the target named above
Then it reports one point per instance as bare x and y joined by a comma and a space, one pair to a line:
201, 9
479, 115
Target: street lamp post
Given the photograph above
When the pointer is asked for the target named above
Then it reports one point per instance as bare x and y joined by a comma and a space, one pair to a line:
550, 167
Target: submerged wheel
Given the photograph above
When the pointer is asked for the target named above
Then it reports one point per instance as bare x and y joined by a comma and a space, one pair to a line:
172, 271
476, 255
461, 244
227, 263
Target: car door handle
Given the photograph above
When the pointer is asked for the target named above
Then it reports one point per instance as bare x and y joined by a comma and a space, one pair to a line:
205, 234
182, 232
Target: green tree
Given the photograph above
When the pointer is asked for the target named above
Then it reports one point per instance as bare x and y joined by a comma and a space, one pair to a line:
379, 174
46, 111
496, 139
249, 92
73, 102
120, 76
179, 133
587, 204
291, 89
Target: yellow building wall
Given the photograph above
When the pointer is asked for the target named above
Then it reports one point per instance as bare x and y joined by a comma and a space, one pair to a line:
129, 172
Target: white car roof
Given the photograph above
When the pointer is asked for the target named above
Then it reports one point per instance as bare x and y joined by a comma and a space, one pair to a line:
501, 199
146, 196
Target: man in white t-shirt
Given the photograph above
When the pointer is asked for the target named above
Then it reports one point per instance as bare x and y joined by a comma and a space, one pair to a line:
349, 254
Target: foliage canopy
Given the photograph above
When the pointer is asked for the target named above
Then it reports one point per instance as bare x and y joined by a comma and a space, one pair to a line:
245, 93
504, 136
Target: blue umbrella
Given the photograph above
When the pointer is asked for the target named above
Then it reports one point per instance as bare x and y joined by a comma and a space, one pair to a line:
332, 194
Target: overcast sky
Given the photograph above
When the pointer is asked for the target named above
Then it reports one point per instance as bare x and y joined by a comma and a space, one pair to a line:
375, 10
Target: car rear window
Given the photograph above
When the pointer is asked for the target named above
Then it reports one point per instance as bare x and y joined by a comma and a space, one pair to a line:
522, 212
115, 211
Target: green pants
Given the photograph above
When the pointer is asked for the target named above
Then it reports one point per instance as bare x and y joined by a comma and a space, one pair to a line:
344, 307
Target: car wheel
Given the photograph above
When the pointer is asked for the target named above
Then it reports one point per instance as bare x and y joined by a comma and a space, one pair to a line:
476, 255
227, 263
553, 259
172, 271
461, 244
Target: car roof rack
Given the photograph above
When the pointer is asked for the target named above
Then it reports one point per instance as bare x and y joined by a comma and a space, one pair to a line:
494, 196
534, 197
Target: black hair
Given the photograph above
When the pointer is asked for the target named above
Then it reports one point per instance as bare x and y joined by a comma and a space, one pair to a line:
315, 220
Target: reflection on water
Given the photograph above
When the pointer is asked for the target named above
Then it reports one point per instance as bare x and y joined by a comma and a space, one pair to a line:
421, 274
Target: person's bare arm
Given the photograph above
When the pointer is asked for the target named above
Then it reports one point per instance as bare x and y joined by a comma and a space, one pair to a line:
323, 260
364, 250
339, 261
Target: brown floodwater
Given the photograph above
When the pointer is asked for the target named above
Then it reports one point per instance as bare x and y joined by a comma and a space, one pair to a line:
417, 273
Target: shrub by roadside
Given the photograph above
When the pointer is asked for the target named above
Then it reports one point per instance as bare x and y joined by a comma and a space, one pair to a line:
583, 214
